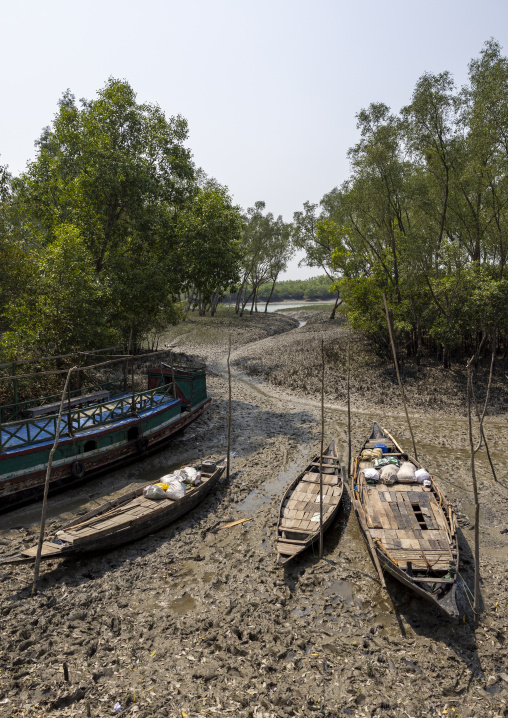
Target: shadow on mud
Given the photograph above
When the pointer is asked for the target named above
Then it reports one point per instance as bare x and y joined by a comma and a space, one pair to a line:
296, 568
425, 620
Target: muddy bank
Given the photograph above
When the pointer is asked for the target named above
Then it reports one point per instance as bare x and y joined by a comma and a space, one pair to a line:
199, 621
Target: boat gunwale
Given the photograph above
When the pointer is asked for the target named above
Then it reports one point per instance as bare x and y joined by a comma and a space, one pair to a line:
387, 563
337, 471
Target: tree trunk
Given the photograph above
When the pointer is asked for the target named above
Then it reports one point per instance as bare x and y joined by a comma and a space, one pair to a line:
215, 301
268, 300
332, 315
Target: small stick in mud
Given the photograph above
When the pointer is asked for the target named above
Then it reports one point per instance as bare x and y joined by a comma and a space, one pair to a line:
229, 410
392, 341
65, 672
46, 485
234, 523
322, 448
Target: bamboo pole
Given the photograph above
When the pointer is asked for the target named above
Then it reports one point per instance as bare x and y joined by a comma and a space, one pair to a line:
69, 410
46, 486
348, 409
322, 448
172, 373
476, 505
392, 341
133, 399
228, 462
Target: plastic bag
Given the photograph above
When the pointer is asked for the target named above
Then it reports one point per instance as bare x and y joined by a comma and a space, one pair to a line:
421, 475
163, 486
371, 475
406, 473
427, 483
168, 478
153, 492
191, 475
176, 490
189, 472
378, 463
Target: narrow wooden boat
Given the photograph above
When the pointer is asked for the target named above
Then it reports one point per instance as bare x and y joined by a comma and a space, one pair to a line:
124, 520
100, 431
410, 530
299, 512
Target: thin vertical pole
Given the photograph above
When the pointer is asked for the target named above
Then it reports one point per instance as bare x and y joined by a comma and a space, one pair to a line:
15, 384
172, 373
78, 374
69, 415
229, 410
322, 448
476, 506
133, 400
390, 330
46, 486
348, 409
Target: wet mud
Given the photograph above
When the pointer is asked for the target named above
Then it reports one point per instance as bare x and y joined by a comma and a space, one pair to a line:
198, 620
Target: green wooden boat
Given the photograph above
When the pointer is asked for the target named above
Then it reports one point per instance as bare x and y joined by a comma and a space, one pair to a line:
99, 431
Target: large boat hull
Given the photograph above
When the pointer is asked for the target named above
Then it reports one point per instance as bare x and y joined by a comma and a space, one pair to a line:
23, 472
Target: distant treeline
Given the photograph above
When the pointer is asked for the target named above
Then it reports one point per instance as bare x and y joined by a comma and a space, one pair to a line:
295, 289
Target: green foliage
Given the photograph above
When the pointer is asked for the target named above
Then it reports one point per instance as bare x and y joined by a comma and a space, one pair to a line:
295, 289
210, 232
62, 309
423, 217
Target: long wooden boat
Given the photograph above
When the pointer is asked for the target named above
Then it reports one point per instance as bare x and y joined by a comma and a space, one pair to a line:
299, 512
100, 430
122, 521
410, 530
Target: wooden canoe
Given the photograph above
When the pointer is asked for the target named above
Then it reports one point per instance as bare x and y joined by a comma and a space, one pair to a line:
118, 522
410, 531
299, 512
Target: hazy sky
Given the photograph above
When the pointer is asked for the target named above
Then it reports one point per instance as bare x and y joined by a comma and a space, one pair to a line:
270, 89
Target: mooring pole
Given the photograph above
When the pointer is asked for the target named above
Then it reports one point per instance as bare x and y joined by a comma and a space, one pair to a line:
229, 410
392, 341
322, 448
69, 415
476, 505
348, 409
172, 373
46, 486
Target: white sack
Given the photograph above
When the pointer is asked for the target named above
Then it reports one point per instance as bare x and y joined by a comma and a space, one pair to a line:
176, 490
371, 474
421, 475
389, 474
406, 473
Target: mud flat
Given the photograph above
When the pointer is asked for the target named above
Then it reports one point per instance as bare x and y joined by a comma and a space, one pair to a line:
199, 621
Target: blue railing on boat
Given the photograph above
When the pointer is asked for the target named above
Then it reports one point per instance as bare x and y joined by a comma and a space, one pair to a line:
16, 412
25, 433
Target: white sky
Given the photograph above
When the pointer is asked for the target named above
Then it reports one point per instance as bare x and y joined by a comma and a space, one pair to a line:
270, 89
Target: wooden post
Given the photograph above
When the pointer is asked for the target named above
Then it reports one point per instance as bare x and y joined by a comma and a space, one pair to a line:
348, 409
322, 447
46, 486
172, 373
392, 340
69, 415
476, 505
78, 374
229, 410
133, 400
15, 383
